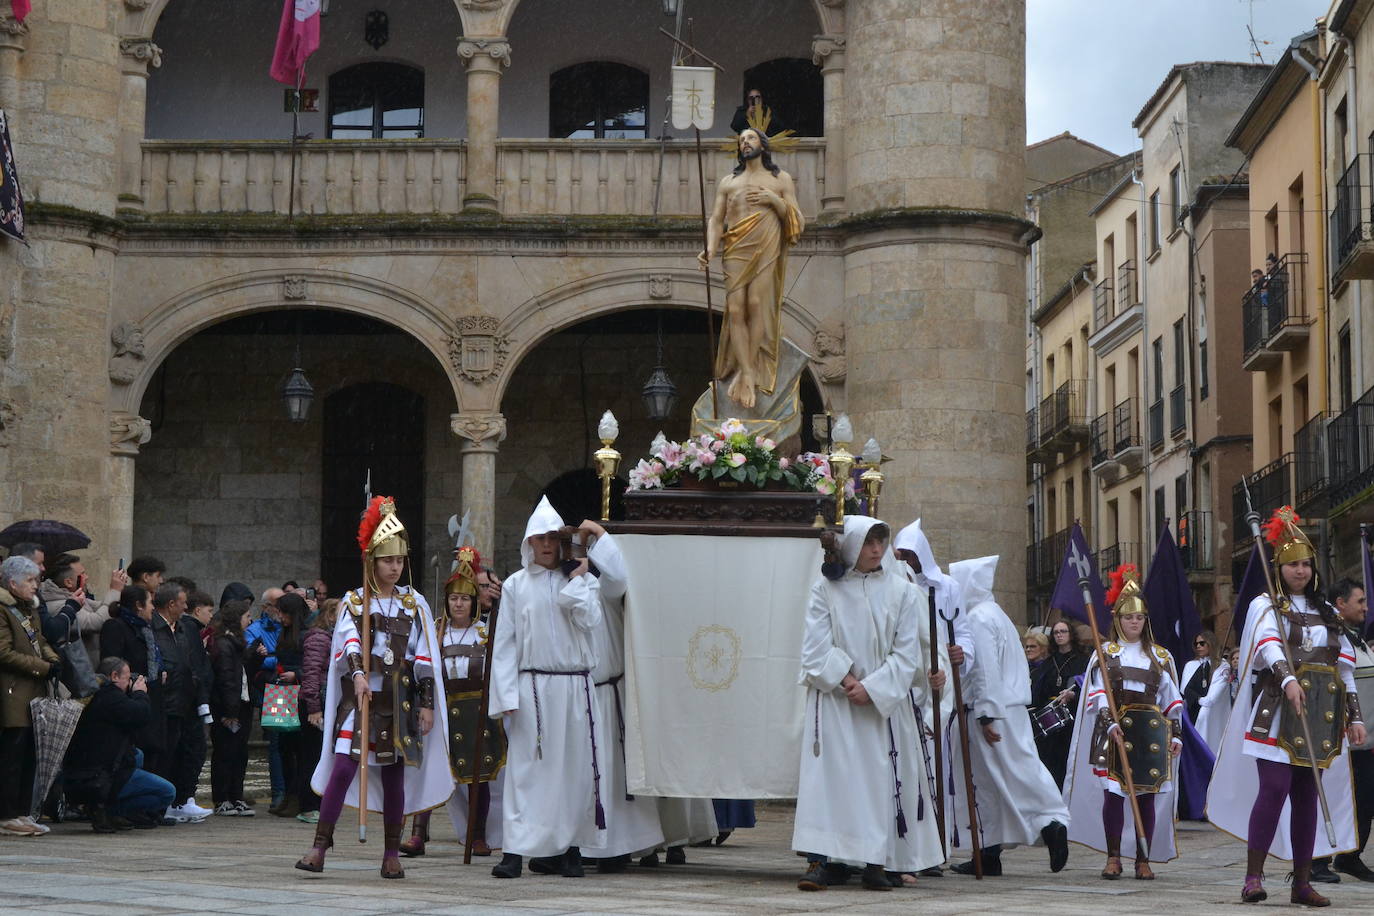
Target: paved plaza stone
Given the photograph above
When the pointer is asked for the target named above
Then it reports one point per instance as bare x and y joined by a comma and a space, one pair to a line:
242, 865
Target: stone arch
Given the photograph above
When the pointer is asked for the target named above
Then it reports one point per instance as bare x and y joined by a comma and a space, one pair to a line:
141, 16
175, 320
829, 16
542, 316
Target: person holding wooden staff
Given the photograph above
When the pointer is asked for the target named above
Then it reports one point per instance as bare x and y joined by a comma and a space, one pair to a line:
382, 664
1148, 709
1302, 667
463, 636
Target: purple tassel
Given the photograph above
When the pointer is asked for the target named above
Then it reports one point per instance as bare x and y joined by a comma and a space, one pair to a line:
920, 807
600, 817
901, 823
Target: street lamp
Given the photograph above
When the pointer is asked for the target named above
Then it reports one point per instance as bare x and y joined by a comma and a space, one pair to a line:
297, 392
659, 392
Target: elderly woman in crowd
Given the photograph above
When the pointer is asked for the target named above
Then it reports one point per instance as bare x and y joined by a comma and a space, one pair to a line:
26, 663
1037, 646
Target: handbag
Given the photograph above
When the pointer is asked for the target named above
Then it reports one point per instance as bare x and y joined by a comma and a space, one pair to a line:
77, 674
281, 705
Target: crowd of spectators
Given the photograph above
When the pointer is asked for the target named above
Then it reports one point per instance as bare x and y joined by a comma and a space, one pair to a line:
167, 665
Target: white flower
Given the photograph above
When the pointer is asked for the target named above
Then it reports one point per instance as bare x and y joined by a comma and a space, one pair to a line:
732, 426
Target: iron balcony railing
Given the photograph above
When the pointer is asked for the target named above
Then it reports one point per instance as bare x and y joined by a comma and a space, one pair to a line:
1064, 414
1157, 423
1033, 431
1178, 410
1345, 224
1312, 472
1109, 558
1270, 487
1125, 285
1276, 302
1350, 444
1104, 304
1101, 439
1125, 426
1194, 537
1044, 558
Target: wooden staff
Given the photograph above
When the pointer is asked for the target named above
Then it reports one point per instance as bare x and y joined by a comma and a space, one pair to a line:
364, 708
962, 716
483, 722
935, 716
706, 268
1142, 841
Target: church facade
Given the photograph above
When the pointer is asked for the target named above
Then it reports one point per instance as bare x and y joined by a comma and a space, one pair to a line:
474, 239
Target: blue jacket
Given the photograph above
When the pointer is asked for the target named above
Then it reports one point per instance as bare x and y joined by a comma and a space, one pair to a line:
267, 631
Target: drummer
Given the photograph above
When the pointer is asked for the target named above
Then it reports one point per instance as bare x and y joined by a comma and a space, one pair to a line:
1053, 693
1149, 710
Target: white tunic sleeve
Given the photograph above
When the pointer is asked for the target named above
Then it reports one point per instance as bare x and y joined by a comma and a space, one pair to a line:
416, 649
1268, 639
889, 685
581, 600
823, 664
505, 655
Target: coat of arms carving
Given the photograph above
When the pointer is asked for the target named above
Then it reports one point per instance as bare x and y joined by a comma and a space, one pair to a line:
477, 349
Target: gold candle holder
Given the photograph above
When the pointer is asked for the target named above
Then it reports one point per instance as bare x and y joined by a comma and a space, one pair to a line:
607, 460
841, 461
872, 478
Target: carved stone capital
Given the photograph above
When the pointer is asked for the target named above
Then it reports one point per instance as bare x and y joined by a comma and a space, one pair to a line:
483, 431
477, 348
477, 50
127, 432
826, 45
13, 33
127, 352
136, 5
294, 288
141, 50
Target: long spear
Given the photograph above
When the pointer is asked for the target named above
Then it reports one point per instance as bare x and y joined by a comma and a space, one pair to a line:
962, 715
1141, 840
1252, 518
365, 707
935, 715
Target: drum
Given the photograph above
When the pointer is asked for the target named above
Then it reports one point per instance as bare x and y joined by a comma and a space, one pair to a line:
1050, 718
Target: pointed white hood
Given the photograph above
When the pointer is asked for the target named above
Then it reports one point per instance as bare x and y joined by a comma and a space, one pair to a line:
544, 520
914, 539
974, 578
856, 528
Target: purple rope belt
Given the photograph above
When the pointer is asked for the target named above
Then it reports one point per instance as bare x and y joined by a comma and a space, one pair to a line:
614, 683
591, 728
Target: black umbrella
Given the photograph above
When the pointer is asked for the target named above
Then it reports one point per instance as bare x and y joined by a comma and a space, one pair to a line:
53, 536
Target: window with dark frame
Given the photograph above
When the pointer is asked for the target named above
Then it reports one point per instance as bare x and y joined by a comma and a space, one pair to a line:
599, 99
1345, 372
377, 100
1175, 196
1154, 222
1202, 370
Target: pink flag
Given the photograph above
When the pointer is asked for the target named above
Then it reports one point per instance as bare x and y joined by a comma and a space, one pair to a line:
21, 8
297, 39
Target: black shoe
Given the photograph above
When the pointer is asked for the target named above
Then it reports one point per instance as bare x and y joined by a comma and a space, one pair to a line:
121, 823
934, 871
676, 856
613, 865
1056, 837
1350, 864
572, 863
875, 879
547, 865
1322, 873
835, 874
722, 837
813, 879
101, 822
508, 867
649, 861
992, 866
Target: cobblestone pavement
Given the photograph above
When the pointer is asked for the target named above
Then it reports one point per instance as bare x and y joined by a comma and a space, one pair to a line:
242, 865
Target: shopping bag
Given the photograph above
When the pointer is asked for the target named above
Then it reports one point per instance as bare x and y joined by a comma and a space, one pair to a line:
281, 705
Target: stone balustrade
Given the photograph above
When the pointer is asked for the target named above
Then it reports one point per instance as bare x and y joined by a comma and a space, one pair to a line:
534, 177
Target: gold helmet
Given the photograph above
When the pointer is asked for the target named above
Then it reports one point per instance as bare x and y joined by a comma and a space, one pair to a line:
1125, 598
464, 578
1286, 538
381, 534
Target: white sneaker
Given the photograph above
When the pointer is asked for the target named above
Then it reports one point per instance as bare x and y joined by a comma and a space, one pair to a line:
244, 809
178, 814
192, 808
17, 826
227, 809
41, 828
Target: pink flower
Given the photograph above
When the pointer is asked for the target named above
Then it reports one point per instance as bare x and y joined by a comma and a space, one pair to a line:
737, 459
825, 486
731, 427
672, 455
764, 442
718, 446
707, 458
783, 463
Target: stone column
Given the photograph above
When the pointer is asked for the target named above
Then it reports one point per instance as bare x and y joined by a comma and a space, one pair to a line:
127, 433
827, 52
13, 37
482, 434
484, 59
935, 270
136, 55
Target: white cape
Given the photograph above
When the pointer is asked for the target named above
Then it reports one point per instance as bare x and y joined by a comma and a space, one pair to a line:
431, 783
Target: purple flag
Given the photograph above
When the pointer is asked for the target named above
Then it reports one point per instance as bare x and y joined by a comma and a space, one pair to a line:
1367, 564
1068, 597
1174, 619
1251, 586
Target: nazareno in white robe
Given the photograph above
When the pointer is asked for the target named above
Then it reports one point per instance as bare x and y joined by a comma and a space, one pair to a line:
1084, 784
1215, 706
546, 622
632, 823
1235, 778
1017, 797
847, 809
428, 785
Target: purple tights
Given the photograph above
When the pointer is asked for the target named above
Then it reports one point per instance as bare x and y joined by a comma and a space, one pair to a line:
345, 768
1114, 817
1279, 781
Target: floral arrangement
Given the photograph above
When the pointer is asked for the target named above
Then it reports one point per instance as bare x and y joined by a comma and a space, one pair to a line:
730, 453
